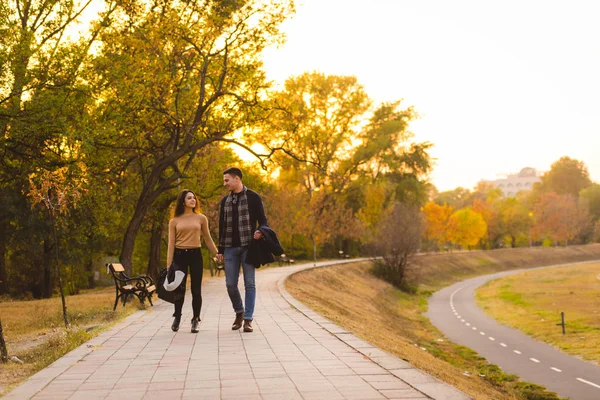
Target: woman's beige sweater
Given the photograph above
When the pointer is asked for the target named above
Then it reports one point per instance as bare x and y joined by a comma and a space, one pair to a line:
185, 231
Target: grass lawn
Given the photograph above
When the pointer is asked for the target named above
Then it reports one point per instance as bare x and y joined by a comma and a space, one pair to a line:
532, 301
374, 310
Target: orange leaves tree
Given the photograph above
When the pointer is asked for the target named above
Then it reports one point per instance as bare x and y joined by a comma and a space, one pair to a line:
437, 223
559, 218
58, 191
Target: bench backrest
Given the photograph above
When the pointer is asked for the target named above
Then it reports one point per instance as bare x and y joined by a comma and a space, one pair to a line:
117, 267
118, 272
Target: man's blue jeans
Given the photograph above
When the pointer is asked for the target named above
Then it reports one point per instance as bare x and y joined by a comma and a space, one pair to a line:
234, 257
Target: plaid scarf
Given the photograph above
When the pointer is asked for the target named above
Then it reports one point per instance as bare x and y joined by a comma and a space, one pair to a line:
244, 227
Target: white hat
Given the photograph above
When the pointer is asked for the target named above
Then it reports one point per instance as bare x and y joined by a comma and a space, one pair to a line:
170, 286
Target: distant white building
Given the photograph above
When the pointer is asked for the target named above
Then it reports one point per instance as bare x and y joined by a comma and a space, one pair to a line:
511, 184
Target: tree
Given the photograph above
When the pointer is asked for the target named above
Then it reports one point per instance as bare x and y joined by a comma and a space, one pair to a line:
176, 77
398, 239
58, 191
314, 120
327, 138
41, 100
566, 176
289, 214
317, 125
457, 198
591, 195
376, 199
515, 219
488, 208
330, 217
467, 227
558, 218
436, 222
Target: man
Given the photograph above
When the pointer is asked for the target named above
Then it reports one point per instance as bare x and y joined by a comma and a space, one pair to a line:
241, 213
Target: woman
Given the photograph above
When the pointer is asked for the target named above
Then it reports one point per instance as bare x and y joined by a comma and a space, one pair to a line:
185, 229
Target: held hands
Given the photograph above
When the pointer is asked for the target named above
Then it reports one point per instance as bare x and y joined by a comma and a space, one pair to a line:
258, 235
219, 257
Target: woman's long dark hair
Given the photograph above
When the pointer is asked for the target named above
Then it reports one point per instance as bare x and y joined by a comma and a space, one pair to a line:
180, 205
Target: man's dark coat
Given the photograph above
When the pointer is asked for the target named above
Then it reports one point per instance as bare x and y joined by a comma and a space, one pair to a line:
260, 252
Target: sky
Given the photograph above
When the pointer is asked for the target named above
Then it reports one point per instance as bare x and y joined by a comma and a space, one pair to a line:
498, 85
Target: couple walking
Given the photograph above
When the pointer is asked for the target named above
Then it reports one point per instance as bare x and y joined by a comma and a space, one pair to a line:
241, 219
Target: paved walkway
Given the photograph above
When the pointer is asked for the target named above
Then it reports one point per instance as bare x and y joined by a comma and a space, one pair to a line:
293, 353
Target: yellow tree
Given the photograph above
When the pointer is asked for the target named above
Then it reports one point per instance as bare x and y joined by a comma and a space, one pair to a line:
467, 227
437, 219
376, 197
173, 77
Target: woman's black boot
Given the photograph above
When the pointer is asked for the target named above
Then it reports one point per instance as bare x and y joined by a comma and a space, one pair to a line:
176, 321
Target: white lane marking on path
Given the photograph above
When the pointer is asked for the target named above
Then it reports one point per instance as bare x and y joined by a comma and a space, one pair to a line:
462, 320
556, 369
502, 344
474, 328
588, 382
491, 338
534, 360
482, 333
517, 351
468, 324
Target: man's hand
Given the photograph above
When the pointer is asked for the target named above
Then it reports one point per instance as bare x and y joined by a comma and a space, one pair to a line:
258, 235
219, 257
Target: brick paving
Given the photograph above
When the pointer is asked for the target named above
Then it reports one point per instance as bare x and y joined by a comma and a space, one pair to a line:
293, 353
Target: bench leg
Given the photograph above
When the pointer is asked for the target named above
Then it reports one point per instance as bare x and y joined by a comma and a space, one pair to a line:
116, 302
150, 299
125, 298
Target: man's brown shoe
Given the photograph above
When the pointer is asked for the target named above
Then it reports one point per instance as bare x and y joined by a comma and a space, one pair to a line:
248, 325
237, 324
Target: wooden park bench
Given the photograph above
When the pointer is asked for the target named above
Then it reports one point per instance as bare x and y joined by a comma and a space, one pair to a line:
285, 260
141, 286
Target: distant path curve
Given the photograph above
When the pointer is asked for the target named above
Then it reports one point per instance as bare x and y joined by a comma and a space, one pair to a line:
454, 312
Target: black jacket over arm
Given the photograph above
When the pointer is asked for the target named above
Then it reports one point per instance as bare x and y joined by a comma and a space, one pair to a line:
260, 252
255, 209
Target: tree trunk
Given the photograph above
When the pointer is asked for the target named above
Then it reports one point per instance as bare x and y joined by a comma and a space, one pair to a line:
89, 268
154, 263
58, 272
46, 291
150, 192
3, 352
131, 233
3, 274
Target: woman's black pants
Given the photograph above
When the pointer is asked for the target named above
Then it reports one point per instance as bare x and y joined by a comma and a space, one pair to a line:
190, 259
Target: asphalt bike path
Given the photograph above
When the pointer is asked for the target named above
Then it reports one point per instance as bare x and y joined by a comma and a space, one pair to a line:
454, 312
293, 353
